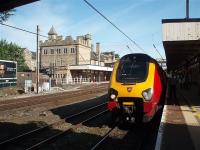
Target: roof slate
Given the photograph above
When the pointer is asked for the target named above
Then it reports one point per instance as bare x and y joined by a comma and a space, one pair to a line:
52, 31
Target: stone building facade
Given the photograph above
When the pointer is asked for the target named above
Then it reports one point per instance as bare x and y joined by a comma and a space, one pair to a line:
72, 58
109, 58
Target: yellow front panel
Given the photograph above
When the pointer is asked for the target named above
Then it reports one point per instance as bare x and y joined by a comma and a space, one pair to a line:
137, 88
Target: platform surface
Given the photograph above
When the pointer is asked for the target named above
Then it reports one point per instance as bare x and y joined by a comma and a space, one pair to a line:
180, 123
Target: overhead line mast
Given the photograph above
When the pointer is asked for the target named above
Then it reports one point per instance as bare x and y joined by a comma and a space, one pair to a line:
158, 51
89, 4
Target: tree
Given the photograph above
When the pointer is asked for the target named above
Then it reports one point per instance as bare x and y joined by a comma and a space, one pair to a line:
5, 15
11, 51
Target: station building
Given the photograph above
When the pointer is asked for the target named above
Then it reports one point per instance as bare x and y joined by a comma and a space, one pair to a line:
66, 58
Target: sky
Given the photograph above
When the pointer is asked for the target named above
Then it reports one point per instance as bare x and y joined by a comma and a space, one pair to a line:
139, 19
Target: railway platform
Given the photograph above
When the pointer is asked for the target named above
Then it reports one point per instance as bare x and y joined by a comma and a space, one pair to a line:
180, 124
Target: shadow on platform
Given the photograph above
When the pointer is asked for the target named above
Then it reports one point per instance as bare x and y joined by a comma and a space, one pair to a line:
179, 133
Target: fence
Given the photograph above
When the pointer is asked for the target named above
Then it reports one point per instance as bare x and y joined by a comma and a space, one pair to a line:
7, 84
29, 86
54, 82
66, 81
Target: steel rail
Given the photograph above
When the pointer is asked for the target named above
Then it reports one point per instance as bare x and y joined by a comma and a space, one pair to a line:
34, 102
103, 138
17, 138
50, 95
43, 97
64, 132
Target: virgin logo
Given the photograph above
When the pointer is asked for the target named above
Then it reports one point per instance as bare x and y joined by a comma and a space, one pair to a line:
129, 89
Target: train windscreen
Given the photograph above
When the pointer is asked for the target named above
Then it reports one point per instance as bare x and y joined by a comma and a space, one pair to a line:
132, 71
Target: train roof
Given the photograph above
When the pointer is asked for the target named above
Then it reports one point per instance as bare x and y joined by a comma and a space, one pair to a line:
138, 56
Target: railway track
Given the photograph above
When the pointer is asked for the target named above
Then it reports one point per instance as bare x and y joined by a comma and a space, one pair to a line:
66, 93
128, 138
58, 133
41, 136
103, 138
38, 100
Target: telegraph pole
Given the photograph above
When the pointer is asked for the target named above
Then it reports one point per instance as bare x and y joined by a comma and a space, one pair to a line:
37, 62
187, 9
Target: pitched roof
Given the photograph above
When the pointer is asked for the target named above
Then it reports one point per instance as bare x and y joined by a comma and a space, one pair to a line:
52, 31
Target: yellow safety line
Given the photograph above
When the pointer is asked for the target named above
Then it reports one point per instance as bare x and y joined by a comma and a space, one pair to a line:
198, 115
194, 109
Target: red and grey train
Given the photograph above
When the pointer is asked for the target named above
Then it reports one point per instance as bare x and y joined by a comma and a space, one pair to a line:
137, 88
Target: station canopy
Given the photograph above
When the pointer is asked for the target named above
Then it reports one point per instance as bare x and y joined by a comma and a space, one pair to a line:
181, 41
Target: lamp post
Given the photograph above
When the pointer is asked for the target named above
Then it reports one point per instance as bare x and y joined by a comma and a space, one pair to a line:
37, 60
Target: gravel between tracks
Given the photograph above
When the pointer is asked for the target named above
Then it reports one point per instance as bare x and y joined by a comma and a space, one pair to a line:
40, 113
55, 90
24, 119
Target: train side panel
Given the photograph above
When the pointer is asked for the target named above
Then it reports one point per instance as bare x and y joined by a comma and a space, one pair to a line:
151, 107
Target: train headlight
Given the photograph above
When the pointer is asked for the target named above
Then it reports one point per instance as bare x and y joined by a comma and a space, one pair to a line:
147, 94
113, 94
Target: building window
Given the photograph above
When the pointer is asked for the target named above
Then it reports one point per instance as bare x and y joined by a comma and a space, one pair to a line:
45, 51
65, 50
72, 50
52, 51
58, 51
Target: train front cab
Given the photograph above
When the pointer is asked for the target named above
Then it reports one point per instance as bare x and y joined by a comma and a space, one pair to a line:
136, 101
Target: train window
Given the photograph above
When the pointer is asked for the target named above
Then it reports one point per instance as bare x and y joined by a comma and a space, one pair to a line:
131, 71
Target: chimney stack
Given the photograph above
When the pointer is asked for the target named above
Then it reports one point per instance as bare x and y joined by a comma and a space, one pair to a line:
98, 48
92, 47
98, 52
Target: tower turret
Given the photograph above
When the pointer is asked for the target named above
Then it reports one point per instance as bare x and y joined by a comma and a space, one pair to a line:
52, 34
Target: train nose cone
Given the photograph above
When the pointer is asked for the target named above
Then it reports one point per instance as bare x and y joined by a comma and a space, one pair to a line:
129, 89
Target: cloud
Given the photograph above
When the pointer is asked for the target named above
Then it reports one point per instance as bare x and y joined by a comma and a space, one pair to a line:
43, 14
47, 13
140, 19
